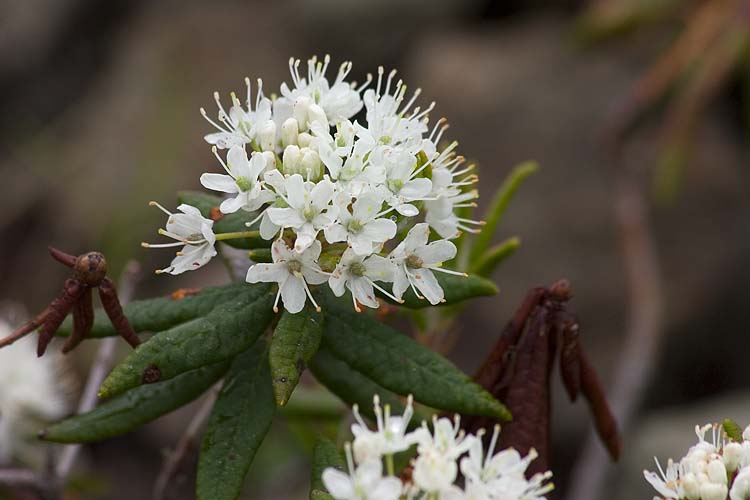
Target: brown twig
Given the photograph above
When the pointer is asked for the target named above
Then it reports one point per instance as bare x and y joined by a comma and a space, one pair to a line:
174, 460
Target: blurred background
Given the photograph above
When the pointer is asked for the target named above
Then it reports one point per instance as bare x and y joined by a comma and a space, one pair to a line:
637, 111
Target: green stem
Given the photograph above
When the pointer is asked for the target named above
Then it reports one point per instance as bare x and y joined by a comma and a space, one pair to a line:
239, 234
389, 464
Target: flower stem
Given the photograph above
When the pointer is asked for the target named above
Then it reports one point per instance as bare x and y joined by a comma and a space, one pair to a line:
389, 464
239, 234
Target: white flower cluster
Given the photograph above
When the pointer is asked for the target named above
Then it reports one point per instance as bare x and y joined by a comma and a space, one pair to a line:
327, 189
31, 390
712, 469
441, 453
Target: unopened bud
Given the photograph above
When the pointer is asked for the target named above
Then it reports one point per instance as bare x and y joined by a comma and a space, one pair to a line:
311, 168
292, 160
316, 114
713, 491
270, 158
731, 456
267, 136
289, 132
304, 140
717, 472
300, 109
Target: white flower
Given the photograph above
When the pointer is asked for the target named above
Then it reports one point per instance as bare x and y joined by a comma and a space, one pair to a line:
338, 101
309, 209
242, 181
741, 487
361, 228
416, 259
389, 437
32, 390
435, 468
193, 231
359, 273
239, 126
365, 482
442, 218
402, 185
292, 271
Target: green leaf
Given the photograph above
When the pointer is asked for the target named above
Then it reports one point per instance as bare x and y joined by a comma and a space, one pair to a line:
225, 332
155, 315
238, 423
134, 408
455, 288
732, 430
493, 257
350, 385
294, 343
497, 208
325, 455
401, 365
228, 223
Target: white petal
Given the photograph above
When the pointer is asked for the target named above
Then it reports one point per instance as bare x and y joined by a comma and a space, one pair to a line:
417, 237
337, 283
416, 189
285, 217
363, 292
295, 190
267, 273
379, 268
380, 230
338, 484
237, 162
219, 182
428, 285
231, 205
335, 233
293, 294
436, 252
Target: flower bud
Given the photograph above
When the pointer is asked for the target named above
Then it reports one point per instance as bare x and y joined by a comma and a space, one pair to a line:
741, 486
717, 472
304, 140
289, 131
713, 491
267, 136
299, 111
691, 487
291, 161
270, 158
316, 114
731, 456
311, 168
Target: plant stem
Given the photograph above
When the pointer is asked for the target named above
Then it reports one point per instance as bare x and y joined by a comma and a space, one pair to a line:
389, 464
236, 235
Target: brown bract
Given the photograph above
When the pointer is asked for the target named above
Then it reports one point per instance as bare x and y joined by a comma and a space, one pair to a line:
518, 372
89, 271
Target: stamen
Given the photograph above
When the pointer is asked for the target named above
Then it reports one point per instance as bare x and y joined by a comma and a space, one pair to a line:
356, 306
161, 245
156, 204
249, 94
309, 295
216, 125
384, 291
276, 301
449, 271
215, 151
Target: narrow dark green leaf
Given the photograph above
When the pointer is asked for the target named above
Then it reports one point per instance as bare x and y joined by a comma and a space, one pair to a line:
238, 423
227, 223
134, 408
401, 365
350, 385
325, 455
225, 332
155, 315
455, 288
497, 208
732, 430
294, 343
495, 256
